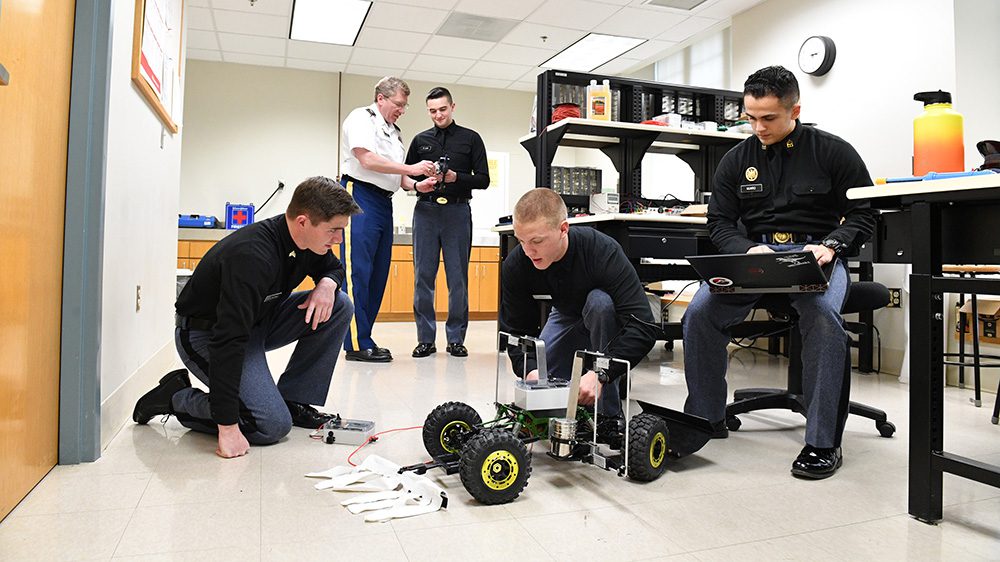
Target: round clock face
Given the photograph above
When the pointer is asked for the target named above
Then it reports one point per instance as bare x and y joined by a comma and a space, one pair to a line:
816, 55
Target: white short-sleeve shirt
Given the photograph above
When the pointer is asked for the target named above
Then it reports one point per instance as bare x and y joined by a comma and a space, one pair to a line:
366, 128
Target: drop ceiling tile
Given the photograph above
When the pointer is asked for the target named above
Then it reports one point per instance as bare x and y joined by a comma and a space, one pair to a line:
252, 44
687, 28
724, 9
648, 49
270, 7
199, 18
406, 18
431, 77
483, 82
532, 75
455, 47
634, 22
375, 38
444, 65
318, 51
575, 14
381, 57
439, 4
198, 39
259, 60
514, 54
530, 35
251, 24
303, 64
498, 70
373, 71
510, 9
203, 54
198, 3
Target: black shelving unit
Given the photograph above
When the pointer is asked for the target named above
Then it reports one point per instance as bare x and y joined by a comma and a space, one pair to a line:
624, 141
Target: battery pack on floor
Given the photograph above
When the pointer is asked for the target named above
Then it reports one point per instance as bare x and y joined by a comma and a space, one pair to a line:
347, 432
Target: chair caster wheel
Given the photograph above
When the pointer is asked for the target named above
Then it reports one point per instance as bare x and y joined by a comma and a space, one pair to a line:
733, 423
668, 345
886, 428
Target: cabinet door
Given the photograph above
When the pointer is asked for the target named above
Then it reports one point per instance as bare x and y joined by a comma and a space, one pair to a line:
475, 278
199, 247
182, 263
402, 286
489, 286
183, 249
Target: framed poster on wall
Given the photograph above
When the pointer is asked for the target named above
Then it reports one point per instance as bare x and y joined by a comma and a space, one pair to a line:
156, 55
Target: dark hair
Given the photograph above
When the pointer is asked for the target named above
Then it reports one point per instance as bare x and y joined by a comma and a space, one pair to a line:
773, 81
320, 198
439, 92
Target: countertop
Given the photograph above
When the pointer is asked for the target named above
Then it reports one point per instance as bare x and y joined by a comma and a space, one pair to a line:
404, 239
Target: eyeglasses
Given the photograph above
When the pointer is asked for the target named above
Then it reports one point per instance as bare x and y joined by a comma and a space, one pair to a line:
398, 104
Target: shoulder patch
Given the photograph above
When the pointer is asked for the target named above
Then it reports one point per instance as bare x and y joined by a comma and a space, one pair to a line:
370, 111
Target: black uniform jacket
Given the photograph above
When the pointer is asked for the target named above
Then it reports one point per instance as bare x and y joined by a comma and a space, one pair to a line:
592, 261
797, 185
238, 283
467, 157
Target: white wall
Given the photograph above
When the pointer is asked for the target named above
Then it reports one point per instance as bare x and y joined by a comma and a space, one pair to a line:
250, 126
977, 54
886, 52
140, 232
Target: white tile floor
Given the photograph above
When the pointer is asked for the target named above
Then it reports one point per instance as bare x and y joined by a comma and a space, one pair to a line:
159, 493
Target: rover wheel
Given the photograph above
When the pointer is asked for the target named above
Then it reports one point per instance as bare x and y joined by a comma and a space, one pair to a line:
647, 447
495, 466
448, 426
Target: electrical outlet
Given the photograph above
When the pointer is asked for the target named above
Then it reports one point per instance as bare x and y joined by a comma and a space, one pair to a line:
138, 297
895, 298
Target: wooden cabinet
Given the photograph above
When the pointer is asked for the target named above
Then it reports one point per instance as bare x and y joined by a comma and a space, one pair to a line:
191, 252
483, 288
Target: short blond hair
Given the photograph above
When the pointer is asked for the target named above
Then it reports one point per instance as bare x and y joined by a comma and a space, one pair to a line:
540, 203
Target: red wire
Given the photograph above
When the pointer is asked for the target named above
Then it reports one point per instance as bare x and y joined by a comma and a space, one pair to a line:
373, 438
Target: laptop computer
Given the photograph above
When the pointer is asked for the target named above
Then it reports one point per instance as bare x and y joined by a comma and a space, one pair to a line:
778, 272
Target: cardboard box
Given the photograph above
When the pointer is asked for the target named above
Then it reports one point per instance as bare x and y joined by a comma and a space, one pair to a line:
988, 311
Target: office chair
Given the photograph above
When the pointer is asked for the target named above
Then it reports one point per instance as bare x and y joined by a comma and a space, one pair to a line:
862, 296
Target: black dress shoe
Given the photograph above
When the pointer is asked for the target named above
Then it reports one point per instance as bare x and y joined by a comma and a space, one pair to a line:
304, 415
719, 430
817, 463
158, 401
369, 355
382, 351
424, 349
457, 350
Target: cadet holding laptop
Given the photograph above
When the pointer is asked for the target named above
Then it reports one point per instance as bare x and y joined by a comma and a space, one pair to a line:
787, 184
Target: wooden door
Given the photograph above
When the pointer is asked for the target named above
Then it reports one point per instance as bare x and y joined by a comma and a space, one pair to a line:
36, 47
401, 274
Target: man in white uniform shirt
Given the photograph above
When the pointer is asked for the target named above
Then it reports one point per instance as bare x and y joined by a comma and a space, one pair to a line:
372, 154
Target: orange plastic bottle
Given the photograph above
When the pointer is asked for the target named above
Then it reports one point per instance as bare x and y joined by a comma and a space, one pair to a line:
938, 145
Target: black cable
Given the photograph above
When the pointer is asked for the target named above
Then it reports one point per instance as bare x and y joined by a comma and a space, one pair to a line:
281, 186
878, 339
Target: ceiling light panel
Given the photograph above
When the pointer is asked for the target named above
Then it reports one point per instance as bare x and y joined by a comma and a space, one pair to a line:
676, 4
591, 52
328, 21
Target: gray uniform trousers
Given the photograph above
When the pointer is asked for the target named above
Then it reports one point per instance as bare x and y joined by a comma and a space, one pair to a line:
264, 417
566, 333
824, 353
441, 230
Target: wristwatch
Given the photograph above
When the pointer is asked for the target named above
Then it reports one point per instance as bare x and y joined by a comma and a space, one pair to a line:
602, 377
837, 246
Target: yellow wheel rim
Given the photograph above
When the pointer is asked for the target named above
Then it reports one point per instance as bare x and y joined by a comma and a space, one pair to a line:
657, 450
448, 433
499, 470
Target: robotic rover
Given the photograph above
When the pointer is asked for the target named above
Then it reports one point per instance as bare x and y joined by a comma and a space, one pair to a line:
492, 457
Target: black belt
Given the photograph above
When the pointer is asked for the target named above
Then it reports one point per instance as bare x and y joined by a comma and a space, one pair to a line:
188, 323
785, 238
441, 199
371, 186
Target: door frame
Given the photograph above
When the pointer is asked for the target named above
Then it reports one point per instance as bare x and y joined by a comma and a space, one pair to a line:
83, 254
